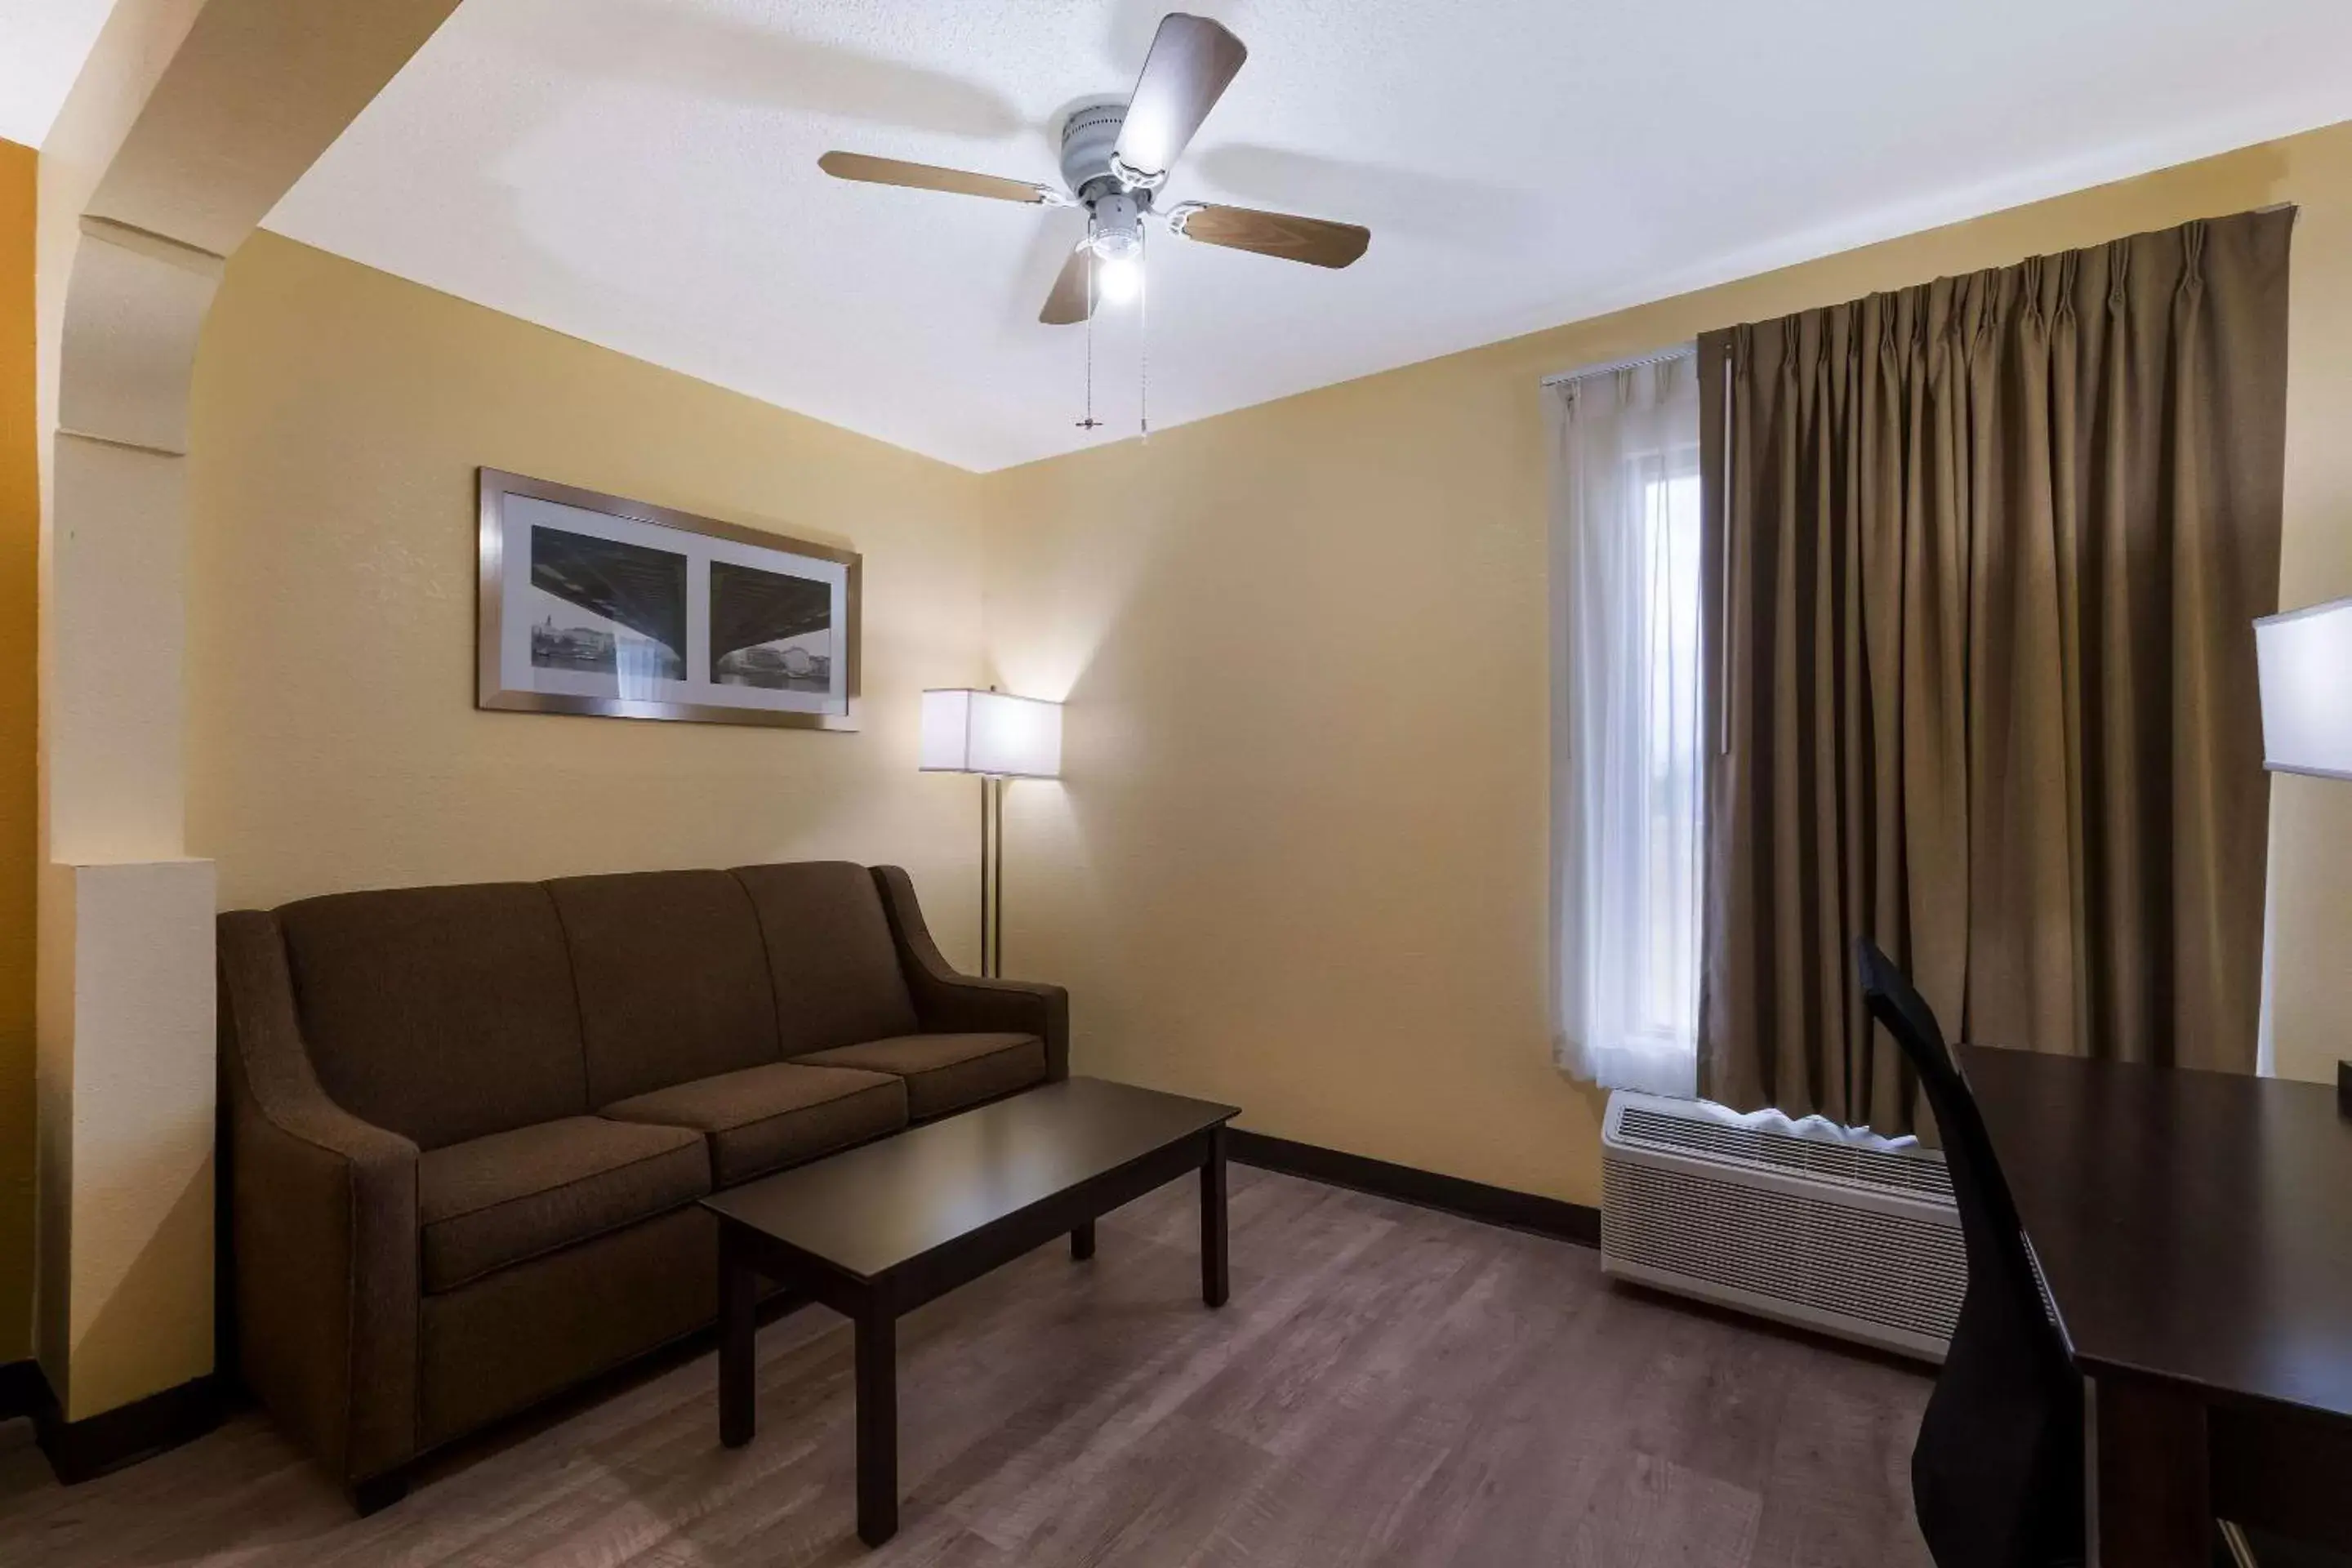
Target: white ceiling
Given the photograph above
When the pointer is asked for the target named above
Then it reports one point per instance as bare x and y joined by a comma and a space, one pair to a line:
42, 46
643, 173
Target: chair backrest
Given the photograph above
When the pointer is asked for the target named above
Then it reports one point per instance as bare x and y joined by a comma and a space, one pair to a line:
1989, 1226
1997, 1473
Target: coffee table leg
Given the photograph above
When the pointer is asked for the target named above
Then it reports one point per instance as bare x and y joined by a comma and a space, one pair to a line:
1082, 1241
877, 1426
738, 1289
1213, 1221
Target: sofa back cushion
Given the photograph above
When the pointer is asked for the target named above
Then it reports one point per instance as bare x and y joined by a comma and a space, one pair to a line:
829, 948
443, 1013
673, 979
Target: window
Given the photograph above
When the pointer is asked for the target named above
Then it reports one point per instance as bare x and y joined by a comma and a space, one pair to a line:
1626, 762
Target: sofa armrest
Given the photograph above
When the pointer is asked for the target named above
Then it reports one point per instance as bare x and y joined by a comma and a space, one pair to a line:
949, 1002
322, 1242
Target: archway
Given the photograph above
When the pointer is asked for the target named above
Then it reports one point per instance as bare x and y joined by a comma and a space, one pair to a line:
190, 120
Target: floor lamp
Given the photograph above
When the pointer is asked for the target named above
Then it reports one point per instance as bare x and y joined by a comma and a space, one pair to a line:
2305, 658
998, 736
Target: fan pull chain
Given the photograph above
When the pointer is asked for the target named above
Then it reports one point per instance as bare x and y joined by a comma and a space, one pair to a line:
1143, 330
1090, 422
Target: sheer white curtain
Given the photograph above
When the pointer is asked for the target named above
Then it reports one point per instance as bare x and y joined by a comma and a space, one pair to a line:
1626, 724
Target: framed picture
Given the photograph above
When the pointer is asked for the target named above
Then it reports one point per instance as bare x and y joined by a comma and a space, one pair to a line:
592, 604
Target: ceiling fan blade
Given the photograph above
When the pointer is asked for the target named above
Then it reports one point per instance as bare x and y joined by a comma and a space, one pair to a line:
1190, 61
1313, 240
927, 177
1066, 305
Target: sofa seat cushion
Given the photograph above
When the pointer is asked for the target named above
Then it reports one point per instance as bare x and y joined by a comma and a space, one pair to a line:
495, 1201
763, 1119
946, 1072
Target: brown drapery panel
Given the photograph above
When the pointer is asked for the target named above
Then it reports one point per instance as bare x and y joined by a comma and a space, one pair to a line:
1982, 556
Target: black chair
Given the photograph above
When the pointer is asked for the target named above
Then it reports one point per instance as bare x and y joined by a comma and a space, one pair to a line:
1997, 1473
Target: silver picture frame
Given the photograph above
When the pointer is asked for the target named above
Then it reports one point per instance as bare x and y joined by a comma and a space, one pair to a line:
703, 546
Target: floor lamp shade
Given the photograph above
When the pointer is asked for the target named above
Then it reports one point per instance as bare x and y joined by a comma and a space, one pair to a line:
992, 733
2307, 674
998, 736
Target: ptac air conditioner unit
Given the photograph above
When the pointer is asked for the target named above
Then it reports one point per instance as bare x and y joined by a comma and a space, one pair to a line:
1803, 1222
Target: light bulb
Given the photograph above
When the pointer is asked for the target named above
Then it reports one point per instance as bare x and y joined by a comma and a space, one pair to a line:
1118, 279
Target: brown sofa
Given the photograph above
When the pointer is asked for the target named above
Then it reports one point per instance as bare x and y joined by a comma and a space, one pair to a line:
463, 1127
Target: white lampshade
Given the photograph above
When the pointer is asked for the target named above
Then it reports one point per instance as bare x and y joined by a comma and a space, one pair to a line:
994, 732
2307, 670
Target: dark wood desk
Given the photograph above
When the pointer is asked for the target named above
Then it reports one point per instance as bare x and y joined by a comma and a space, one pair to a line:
2196, 1232
878, 1231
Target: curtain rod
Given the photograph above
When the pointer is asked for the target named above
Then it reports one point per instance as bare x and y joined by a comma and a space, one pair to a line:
1610, 367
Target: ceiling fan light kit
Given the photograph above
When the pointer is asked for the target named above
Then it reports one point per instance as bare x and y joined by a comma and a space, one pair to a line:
1116, 155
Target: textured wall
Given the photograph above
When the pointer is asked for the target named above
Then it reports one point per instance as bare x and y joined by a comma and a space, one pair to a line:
339, 415
1298, 860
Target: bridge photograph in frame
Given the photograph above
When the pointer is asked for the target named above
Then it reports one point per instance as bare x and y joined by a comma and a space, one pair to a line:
595, 604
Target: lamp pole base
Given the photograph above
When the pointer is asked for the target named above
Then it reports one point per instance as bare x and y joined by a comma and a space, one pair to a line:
991, 877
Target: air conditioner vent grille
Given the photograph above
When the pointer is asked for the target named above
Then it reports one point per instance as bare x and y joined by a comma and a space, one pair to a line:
1861, 1166
1872, 1267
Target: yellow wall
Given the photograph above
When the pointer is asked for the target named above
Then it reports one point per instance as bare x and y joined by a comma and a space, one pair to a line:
1299, 858
339, 416
20, 528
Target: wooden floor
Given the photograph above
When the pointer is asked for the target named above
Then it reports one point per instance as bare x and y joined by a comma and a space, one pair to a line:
1387, 1386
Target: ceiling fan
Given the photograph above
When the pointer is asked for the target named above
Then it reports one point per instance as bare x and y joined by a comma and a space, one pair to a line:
1115, 158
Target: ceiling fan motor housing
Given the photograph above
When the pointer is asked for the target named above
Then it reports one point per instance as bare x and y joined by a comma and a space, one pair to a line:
1088, 136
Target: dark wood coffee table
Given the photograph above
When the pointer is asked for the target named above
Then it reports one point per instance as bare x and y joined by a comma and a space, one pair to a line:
878, 1231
